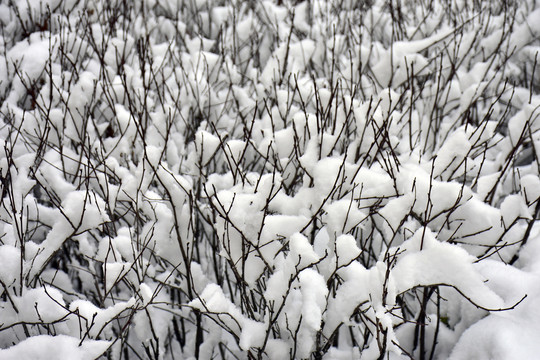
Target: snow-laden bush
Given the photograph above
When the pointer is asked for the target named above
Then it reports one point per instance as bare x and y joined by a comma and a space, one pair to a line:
269, 179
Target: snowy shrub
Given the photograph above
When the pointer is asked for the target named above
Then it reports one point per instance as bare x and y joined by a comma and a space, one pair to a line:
269, 179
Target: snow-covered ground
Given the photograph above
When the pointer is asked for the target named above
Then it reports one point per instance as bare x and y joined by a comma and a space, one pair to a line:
227, 179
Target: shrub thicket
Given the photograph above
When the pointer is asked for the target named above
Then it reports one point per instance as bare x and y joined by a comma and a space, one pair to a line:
261, 179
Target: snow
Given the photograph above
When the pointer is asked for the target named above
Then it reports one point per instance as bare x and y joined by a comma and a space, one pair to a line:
507, 335
86, 211
213, 300
512, 208
99, 318
346, 250
47, 347
234, 150
428, 261
342, 216
350, 295
253, 333
30, 58
277, 286
286, 59
206, 144
275, 179
33, 306
114, 273
395, 211
314, 293
10, 265
277, 349
301, 251
495, 338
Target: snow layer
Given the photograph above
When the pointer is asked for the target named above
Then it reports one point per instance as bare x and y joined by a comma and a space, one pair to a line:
46, 347
269, 179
